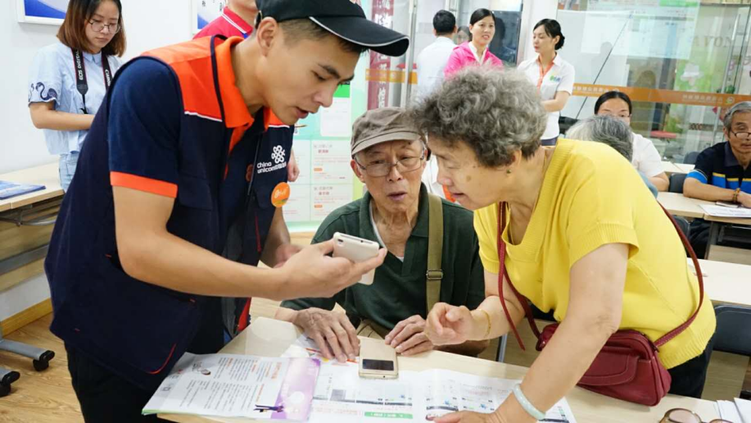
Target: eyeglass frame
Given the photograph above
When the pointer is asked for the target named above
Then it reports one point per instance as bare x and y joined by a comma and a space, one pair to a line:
423, 156
666, 418
92, 22
748, 134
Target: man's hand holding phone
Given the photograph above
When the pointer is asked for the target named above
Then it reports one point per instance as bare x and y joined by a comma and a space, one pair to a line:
312, 272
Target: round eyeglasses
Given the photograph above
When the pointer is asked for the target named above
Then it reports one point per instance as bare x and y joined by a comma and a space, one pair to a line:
98, 26
682, 415
381, 168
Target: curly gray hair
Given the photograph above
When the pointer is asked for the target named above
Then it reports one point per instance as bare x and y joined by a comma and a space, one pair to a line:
495, 112
607, 130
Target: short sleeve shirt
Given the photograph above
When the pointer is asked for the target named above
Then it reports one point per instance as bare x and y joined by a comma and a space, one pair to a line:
430, 64
646, 158
582, 207
560, 77
52, 79
398, 291
718, 166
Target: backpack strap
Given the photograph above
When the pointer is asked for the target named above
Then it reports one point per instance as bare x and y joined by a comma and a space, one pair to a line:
434, 275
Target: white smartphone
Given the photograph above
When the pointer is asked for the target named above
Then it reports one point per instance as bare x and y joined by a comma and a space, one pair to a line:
357, 250
377, 360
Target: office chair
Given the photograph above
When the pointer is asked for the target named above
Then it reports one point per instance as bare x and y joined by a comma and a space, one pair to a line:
41, 360
690, 158
732, 321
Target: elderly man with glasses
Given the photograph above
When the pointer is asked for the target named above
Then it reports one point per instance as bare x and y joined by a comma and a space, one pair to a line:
388, 156
722, 172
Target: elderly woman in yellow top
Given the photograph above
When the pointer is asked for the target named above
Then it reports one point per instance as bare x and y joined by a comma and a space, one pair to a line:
585, 239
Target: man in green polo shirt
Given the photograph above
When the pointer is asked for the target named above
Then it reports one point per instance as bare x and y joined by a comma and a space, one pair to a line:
388, 156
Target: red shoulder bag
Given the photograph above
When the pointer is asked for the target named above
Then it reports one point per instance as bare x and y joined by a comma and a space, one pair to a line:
627, 367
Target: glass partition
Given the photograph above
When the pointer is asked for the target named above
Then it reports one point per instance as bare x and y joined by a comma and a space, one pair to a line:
682, 62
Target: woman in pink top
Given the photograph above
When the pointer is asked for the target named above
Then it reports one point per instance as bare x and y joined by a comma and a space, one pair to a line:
475, 52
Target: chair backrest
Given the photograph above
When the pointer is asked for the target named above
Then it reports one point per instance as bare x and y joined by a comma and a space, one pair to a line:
731, 335
683, 224
690, 158
676, 182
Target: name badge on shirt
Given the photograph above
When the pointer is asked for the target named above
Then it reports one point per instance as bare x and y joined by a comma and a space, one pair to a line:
280, 194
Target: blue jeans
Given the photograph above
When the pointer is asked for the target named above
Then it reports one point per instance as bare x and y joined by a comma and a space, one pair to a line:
68, 164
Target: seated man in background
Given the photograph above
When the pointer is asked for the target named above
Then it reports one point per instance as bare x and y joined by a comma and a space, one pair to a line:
388, 156
722, 172
645, 157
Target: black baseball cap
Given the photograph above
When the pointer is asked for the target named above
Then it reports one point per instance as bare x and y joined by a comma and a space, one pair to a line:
342, 18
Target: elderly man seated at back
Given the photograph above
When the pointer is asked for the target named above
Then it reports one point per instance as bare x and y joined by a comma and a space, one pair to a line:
722, 171
388, 156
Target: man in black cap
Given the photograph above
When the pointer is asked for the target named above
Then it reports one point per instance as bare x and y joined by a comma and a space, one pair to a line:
176, 198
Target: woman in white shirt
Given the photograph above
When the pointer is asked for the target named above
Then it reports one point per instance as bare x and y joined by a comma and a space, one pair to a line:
646, 158
553, 76
69, 79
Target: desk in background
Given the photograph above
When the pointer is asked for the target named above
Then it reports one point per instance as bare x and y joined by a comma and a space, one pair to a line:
727, 283
47, 175
680, 205
26, 223
270, 338
670, 168
23, 234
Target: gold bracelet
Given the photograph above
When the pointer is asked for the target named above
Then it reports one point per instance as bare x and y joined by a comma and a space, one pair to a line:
487, 317
735, 195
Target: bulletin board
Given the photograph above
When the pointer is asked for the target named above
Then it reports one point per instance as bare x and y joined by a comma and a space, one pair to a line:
49, 12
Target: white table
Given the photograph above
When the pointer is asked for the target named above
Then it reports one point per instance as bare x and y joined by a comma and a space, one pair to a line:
670, 168
270, 338
726, 282
680, 205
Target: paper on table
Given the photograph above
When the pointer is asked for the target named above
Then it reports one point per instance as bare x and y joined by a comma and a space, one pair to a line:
744, 409
448, 391
728, 411
342, 396
230, 385
720, 211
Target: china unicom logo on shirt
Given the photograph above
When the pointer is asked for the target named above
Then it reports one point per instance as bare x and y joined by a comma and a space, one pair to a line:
278, 154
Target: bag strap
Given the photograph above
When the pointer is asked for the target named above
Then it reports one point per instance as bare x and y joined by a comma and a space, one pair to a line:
82, 84
528, 310
434, 275
503, 272
664, 339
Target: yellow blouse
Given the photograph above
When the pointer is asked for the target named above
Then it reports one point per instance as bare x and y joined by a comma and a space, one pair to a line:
592, 196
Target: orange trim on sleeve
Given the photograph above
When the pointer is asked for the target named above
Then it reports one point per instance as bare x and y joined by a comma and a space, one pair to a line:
154, 186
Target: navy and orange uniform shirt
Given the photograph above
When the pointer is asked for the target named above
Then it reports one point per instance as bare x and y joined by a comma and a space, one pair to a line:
718, 166
173, 124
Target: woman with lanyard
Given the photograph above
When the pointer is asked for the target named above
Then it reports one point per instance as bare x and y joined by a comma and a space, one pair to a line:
69, 79
553, 76
475, 51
